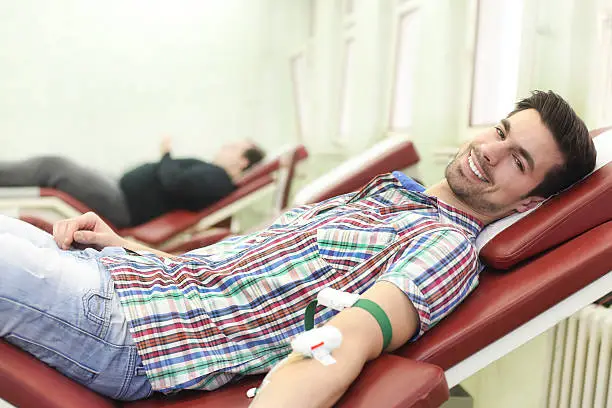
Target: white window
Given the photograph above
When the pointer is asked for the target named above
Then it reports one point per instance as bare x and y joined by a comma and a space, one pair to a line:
348, 89
496, 62
299, 76
405, 62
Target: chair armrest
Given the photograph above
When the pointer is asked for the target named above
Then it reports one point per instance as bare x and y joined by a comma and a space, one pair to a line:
394, 382
389, 381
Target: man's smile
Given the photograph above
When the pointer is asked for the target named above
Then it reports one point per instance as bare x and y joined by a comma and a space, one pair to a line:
475, 167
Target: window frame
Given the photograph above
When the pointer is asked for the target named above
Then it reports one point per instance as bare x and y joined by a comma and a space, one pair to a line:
402, 9
300, 98
474, 59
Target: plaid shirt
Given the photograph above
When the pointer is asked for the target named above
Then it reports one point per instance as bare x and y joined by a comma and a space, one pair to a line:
213, 315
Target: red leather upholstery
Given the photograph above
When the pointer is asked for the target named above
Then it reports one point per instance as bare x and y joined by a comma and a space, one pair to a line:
283, 199
503, 301
587, 204
26, 382
389, 381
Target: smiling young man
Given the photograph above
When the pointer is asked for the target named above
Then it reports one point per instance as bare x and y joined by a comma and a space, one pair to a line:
136, 322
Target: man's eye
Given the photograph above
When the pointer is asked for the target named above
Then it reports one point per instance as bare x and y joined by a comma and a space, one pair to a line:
519, 164
500, 133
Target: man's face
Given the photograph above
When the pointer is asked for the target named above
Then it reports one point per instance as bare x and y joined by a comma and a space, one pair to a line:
232, 154
494, 172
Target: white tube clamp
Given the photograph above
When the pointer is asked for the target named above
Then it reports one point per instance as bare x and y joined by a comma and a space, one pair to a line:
318, 343
336, 299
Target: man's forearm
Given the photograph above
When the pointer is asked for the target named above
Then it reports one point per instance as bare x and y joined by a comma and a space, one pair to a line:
308, 383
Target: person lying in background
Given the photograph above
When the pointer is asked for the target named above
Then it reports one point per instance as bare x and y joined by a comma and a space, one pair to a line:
133, 321
145, 192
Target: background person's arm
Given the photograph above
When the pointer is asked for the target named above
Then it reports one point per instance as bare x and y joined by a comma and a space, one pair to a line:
308, 383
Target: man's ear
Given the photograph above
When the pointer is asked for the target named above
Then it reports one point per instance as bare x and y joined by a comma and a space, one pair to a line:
528, 203
243, 162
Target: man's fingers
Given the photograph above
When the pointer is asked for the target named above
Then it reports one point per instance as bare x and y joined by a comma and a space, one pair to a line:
65, 232
62, 238
88, 220
55, 224
68, 236
85, 237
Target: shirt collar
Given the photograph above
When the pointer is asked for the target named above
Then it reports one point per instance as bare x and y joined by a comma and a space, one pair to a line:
447, 213
470, 224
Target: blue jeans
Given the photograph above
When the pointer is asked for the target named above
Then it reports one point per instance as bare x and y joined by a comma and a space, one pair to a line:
61, 307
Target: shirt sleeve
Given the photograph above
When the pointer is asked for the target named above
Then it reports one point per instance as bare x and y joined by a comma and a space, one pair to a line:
436, 271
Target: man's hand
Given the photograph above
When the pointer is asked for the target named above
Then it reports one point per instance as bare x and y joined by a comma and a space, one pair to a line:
166, 145
87, 229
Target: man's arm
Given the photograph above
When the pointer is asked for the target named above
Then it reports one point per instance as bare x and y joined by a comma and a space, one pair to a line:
89, 229
308, 383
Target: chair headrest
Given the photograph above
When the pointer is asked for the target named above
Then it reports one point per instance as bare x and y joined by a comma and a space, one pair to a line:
585, 205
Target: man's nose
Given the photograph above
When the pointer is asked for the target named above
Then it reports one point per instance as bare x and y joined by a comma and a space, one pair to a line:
493, 152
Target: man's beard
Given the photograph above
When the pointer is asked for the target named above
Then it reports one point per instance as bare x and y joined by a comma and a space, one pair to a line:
465, 189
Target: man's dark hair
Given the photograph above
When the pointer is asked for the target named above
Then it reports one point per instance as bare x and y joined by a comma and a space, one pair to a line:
254, 155
572, 138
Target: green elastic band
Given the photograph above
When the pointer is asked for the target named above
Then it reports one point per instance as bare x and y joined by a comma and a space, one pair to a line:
380, 316
309, 315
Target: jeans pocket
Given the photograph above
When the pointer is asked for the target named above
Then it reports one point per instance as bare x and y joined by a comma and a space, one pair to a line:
97, 307
54, 358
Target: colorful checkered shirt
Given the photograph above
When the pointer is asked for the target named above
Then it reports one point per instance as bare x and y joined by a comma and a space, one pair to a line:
211, 316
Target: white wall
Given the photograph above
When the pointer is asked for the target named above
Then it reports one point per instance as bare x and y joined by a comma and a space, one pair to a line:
102, 81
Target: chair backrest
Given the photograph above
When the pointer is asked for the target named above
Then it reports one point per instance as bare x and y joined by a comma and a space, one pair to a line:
386, 156
283, 157
286, 175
